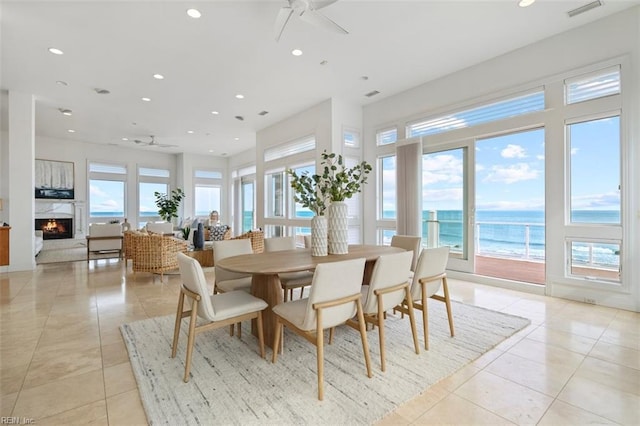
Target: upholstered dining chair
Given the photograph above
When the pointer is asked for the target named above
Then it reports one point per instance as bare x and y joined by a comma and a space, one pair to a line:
388, 287
429, 276
216, 310
289, 280
334, 299
227, 280
409, 243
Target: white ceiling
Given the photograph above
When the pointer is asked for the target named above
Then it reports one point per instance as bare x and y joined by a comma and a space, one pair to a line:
119, 45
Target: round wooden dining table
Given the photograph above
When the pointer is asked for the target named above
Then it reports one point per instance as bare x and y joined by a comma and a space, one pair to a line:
265, 267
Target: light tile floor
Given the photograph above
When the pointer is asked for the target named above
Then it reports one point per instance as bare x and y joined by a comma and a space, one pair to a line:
63, 360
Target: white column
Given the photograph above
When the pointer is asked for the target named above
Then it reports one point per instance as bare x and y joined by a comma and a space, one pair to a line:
21, 155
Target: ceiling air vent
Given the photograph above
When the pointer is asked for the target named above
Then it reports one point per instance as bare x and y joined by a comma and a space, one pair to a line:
100, 91
239, 117
583, 9
372, 93
263, 113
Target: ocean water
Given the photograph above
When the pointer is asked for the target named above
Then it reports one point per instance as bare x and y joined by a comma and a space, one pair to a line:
498, 232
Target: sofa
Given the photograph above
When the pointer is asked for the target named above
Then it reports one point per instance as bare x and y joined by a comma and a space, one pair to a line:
162, 228
38, 243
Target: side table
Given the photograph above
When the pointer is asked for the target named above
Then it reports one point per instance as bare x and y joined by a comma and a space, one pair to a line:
203, 256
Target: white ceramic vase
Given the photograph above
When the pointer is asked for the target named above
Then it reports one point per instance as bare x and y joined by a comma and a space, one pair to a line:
319, 236
338, 228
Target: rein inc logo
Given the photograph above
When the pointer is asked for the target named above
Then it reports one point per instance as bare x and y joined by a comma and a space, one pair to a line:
17, 421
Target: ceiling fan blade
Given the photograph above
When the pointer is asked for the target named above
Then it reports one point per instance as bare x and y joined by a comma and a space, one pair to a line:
319, 4
281, 21
318, 19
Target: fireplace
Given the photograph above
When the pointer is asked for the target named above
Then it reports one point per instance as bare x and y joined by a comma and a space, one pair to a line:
55, 228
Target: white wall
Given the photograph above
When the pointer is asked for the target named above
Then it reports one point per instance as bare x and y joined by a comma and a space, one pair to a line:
81, 154
611, 37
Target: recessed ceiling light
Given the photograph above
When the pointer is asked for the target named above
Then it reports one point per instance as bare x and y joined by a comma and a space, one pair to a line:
146, 99
158, 76
125, 139
71, 131
215, 112
525, 3
56, 51
296, 52
65, 111
190, 132
210, 150
194, 13
239, 96
236, 139
61, 83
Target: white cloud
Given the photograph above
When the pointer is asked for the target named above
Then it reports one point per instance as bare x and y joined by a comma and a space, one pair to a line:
448, 194
513, 151
511, 174
512, 205
609, 200
441, 168
574, 151
540, 157
94, 190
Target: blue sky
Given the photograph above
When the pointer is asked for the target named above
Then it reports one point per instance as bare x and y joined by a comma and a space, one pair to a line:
510, 171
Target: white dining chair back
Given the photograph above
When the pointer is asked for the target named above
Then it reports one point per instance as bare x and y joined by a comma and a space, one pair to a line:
390, 270
289, 281
409, 243
193, 279
431, 263
225, 279
333, 281
279, 244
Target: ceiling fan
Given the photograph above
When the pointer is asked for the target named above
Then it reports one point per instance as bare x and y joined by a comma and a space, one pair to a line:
153, 142
307, 10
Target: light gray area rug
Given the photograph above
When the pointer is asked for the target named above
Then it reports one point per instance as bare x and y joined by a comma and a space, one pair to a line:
231, 384
74, 254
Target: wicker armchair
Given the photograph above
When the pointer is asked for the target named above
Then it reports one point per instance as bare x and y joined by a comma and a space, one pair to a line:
155, 253
256, 237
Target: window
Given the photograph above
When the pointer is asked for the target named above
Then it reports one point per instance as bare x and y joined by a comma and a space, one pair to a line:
594, 260
387, 192
297, 146
207, 192
594, 145
248, 203
386, 136
150, 180
593, 85
511, 107
275, 194
106, 192
351, 138
298, 210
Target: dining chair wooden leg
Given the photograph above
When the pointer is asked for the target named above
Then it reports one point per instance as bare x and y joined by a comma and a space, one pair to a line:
276, 339
176, 329
239, 330
412, 320
381, 332
331, 334
447, 302
260, 334
191, 339
425, 317
286, 295
231, 328
363, 336
320, 353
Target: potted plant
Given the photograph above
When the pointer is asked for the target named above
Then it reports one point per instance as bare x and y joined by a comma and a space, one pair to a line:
311, 192
168, 203
341, 184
